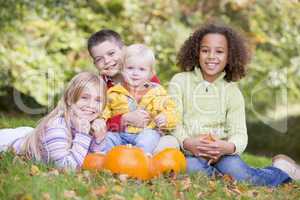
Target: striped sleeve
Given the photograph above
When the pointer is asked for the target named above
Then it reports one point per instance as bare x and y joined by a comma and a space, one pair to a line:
62, 150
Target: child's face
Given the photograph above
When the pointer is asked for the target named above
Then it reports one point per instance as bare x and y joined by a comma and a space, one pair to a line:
136, 72
89, 104
213, 55
107, 58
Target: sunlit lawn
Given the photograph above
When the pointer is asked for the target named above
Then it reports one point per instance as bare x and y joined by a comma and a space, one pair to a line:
21, 179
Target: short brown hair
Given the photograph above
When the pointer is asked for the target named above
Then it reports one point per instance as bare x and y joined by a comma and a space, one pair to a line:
102, 36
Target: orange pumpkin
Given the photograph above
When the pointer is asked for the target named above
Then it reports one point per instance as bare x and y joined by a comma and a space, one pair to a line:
93, 161
168, 160
128, 160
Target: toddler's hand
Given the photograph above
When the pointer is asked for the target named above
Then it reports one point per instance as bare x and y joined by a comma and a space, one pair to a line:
99, 129
160, 120
139, 118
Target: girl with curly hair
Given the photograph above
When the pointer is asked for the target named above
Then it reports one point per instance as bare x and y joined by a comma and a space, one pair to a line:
213, 129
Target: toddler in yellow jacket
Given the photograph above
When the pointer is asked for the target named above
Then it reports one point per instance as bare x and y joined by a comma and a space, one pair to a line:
137, 93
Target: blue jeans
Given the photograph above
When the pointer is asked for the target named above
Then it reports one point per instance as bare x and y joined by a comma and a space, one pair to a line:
147, 140
234, 166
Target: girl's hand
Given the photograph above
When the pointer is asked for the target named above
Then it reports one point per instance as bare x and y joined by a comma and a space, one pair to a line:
191, 144
138, 118
216, 149
81, 125
160, 120
99, 129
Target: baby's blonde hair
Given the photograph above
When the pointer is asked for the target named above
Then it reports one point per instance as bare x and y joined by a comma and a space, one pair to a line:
32, 147
138, 51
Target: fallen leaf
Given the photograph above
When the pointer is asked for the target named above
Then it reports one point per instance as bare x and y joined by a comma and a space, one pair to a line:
34, 170
26, 197
137, 197
269, 190
117, 188
227, 178
288, 187
187, 183
234, 189
227, 192
212, 185
53, 172
199, 195
117, 197
100, 191
46, 196
69, 194
123, 178
18, 160
251, 194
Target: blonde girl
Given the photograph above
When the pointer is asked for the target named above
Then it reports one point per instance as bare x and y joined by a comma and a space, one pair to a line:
65, 135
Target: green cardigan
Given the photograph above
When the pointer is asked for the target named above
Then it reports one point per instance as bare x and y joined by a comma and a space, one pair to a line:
205, 107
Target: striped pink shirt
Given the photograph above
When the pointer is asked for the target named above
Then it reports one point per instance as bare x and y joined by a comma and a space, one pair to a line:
57, 147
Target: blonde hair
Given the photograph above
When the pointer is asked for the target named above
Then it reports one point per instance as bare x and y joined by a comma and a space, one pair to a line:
32, 147
140, 51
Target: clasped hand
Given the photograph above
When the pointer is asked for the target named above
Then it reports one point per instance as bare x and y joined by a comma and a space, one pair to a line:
212, 150
94, 127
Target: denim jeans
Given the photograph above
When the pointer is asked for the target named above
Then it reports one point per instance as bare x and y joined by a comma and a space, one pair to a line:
147, 140
234, 166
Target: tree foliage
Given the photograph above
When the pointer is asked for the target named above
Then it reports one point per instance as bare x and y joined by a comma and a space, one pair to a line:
43, 42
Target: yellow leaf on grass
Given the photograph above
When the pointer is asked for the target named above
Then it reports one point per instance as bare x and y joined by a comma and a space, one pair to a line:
34, 170
26, 197
46, 196
137, 197
212, 185
100, 191
69, 194
117, 197
117, 188
186, 183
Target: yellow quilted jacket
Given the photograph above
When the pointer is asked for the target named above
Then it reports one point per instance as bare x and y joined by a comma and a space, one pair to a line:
155, 102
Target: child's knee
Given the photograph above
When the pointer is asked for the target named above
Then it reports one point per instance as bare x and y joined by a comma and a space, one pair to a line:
167, 141
112, 137
198, 165
149, 134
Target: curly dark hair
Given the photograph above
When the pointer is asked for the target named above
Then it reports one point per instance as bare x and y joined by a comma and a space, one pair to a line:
238, 51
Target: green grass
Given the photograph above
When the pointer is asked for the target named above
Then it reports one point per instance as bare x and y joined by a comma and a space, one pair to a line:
21, 179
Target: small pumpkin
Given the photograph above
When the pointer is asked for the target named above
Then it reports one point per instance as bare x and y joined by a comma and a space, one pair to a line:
128, 160
93, 161
168, 160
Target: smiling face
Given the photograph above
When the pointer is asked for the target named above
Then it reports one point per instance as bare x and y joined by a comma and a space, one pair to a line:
213, 55
136, 72
90, 102
107, 58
